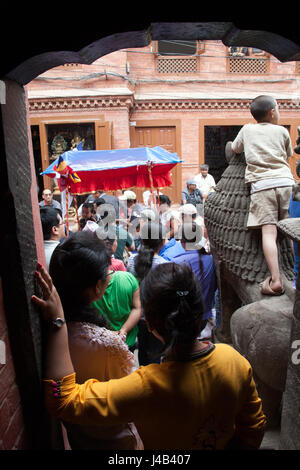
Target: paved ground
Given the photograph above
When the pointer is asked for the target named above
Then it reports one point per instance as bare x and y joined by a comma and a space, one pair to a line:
271, 440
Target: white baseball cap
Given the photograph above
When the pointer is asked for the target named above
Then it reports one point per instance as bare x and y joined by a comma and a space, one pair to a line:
148, 214
129, 195
90, 226
188, 209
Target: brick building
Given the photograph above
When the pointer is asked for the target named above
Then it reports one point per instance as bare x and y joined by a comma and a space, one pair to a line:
189, 97
24, 424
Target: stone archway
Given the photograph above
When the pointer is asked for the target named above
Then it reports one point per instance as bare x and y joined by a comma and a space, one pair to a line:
281, 47
20, 234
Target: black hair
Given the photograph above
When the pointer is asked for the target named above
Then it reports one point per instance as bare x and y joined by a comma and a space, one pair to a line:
152, 236
59, 211
163, 199
89, 205
77, 264
108, 235
190, 232
82, 223
109, 216
99, 200
171, 299
261, 105
49, 219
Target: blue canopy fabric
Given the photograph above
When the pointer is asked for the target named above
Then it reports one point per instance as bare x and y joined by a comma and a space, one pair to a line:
99, 160
114, 169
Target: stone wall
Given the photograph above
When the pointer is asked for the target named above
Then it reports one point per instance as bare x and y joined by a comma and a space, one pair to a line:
12, 432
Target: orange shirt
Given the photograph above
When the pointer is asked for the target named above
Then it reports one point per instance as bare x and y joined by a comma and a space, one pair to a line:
199, 404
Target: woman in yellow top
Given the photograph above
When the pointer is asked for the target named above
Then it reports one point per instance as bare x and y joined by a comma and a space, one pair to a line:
202, 396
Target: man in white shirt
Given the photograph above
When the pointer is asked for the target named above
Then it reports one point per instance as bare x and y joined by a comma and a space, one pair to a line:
148, 197
53, 230
168, 217
205, 182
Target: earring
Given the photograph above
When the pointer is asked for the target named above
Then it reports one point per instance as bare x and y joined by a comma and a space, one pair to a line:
98, 291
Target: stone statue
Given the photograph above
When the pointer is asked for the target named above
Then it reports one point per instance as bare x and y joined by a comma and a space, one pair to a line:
290, 419
257, 325
76, 141
58, 146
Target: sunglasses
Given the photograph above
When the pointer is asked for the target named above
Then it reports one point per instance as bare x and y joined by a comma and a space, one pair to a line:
110, 273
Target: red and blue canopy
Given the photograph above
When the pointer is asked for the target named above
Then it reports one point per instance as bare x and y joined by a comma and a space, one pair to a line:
85, 171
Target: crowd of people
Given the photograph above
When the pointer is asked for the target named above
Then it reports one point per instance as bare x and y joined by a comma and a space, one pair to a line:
137, 236
140, 275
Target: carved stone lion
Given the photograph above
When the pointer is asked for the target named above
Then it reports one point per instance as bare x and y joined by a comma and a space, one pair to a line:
257, 325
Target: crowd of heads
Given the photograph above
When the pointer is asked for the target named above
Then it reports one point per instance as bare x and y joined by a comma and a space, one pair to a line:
79, 269
105, 219
80, 264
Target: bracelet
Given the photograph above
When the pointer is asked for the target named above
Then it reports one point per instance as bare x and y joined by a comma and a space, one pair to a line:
123, 335
58, 322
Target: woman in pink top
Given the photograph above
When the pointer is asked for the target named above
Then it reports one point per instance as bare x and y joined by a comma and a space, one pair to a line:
96, 351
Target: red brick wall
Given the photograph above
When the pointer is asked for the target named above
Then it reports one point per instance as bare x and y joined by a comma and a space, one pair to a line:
11, 419
135, 71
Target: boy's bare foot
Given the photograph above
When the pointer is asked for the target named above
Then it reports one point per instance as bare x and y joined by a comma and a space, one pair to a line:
268, 287
276, 286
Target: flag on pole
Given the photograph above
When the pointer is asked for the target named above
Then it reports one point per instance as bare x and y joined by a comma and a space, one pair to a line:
65, 171
63, 202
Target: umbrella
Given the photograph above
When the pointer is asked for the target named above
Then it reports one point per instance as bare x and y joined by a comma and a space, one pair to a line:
85, 171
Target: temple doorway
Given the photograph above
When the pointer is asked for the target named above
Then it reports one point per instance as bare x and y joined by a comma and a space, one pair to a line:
215, 139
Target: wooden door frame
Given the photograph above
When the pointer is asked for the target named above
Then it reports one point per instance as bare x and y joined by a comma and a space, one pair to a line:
163, 123
293, 123
42, 121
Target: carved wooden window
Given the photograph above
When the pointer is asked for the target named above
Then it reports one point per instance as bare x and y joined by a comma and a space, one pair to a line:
177, 65
178, 57
247, 60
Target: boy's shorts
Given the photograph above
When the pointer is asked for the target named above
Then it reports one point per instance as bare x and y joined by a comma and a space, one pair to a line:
269, 206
